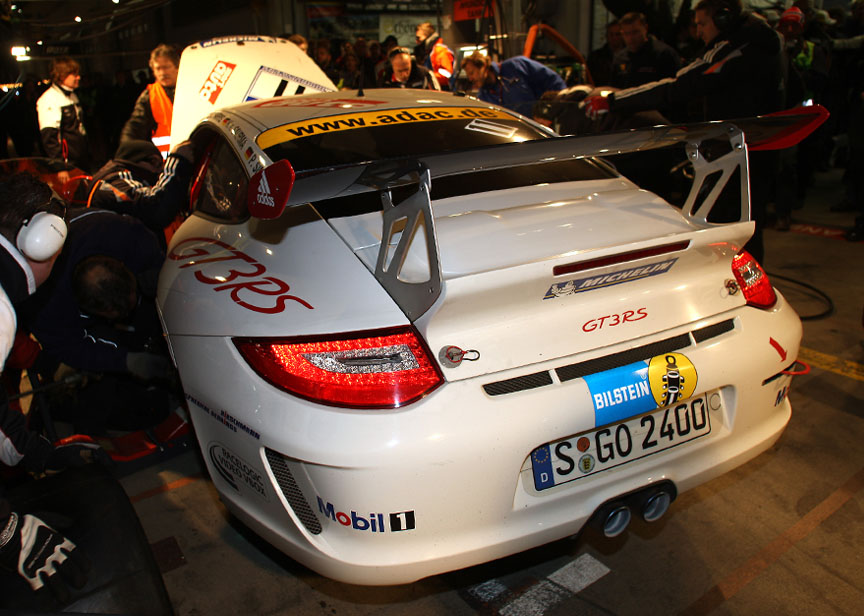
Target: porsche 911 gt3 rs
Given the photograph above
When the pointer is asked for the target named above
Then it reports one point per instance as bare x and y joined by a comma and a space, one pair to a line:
417, 332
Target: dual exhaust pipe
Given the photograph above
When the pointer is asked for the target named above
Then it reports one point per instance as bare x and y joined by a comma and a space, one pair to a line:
651, 503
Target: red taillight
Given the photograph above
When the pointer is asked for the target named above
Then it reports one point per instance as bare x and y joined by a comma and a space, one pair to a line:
753, 281
364, 370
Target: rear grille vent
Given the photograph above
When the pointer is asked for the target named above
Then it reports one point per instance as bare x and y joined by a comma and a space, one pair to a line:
292, 492
601, 364
520, 383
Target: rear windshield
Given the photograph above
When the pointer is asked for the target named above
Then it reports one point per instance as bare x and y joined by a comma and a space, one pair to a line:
370, 136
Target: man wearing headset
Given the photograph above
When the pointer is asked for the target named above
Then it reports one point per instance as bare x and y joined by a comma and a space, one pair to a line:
31, 236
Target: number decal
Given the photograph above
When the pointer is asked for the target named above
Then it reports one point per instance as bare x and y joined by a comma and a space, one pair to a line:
686, 428
648, 442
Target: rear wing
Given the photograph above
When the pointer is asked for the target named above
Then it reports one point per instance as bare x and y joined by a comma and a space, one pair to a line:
716, 150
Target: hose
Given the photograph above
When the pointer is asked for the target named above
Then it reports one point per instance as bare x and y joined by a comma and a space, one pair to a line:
817, 292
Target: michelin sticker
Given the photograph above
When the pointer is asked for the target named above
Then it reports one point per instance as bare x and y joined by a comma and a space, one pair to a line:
640, 387
236, 471
579, 285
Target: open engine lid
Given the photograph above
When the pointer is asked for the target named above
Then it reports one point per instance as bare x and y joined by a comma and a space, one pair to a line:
229, 70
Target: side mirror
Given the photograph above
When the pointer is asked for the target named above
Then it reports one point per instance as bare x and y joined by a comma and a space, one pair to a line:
269, 190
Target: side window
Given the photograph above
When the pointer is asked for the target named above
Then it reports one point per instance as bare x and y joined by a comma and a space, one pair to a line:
219, 191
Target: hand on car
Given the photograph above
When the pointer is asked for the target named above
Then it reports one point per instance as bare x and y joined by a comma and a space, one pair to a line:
595, 106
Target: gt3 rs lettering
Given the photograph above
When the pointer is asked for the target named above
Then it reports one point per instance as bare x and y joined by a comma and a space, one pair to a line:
374, 522
580, 285
243, 291
615, 319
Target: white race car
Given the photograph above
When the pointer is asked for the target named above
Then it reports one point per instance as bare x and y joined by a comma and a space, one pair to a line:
417, 332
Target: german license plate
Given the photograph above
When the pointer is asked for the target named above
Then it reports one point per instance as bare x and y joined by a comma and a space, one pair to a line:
591, 452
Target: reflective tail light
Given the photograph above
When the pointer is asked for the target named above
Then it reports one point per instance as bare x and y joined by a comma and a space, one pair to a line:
753, 281
382, 369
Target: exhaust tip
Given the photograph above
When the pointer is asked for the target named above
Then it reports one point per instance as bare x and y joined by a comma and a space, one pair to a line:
656, 505
616, 522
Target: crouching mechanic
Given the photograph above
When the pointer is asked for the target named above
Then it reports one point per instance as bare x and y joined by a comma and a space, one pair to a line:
31, 236
137, 183
97, 314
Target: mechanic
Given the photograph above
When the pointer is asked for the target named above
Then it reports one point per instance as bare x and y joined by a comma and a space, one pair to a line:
31, 236
136, 182
644, 58
515, 83
151, 117
60, 117
96, 314
434, 54
600, 60
739, 75
404, 72
324, 59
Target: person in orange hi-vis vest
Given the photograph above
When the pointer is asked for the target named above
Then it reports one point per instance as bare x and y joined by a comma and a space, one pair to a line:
151, 117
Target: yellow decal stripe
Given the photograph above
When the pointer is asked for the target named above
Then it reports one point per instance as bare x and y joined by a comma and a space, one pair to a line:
363, 119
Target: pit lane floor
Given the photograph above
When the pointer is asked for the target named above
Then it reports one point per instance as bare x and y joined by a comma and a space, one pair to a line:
780, 535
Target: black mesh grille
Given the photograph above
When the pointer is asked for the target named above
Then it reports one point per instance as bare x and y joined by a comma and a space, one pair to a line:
292, 492
520, 383
711, 331
601, 364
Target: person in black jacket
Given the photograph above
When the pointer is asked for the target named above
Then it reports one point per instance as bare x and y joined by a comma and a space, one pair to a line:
644, 58
404, 72
60, 116
137, 183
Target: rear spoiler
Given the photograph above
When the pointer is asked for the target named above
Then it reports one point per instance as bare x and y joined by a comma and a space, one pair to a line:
715, 149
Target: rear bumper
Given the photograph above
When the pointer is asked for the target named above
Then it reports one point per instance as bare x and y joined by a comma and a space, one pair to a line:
389, 497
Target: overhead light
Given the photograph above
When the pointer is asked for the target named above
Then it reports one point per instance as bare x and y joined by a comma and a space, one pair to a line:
19, 50
77, 19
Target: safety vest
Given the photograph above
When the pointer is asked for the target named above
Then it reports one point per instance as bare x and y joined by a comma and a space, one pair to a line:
161, 107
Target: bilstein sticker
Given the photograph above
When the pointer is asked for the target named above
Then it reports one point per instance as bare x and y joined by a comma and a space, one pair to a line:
579, 285
640, 387
364, 119
236, 471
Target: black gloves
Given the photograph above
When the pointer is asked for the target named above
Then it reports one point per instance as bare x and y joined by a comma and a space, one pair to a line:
41, 555
76, 454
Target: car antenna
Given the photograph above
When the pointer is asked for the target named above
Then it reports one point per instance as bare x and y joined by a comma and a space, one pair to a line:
360, 86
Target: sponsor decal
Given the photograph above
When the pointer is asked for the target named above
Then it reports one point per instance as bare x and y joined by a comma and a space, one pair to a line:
263, 196
781, 395
373, 522
365, 119
269, 82
236, 471
225, 418
216, 81
611, 320
579, 285
321, 103
222, 40
640, 387
232, 270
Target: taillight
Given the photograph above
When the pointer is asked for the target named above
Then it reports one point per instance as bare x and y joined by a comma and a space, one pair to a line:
753, 281
381, 369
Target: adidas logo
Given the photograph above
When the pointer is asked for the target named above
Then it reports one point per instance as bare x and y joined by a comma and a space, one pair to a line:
264, 196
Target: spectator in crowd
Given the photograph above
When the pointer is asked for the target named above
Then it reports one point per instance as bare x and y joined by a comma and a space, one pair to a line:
406, 73
324, 58
61, 118
151, 117
139, 183
366, 64
739, 75
97, 314
643, 58
434, 54
383, 64
300, 41
350, 73
30, 238
516, 83
600, 60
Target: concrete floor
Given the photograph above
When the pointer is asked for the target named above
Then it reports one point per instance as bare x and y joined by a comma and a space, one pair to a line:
780, 535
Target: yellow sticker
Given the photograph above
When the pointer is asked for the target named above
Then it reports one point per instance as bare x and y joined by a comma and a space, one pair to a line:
364, 119
672, 377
